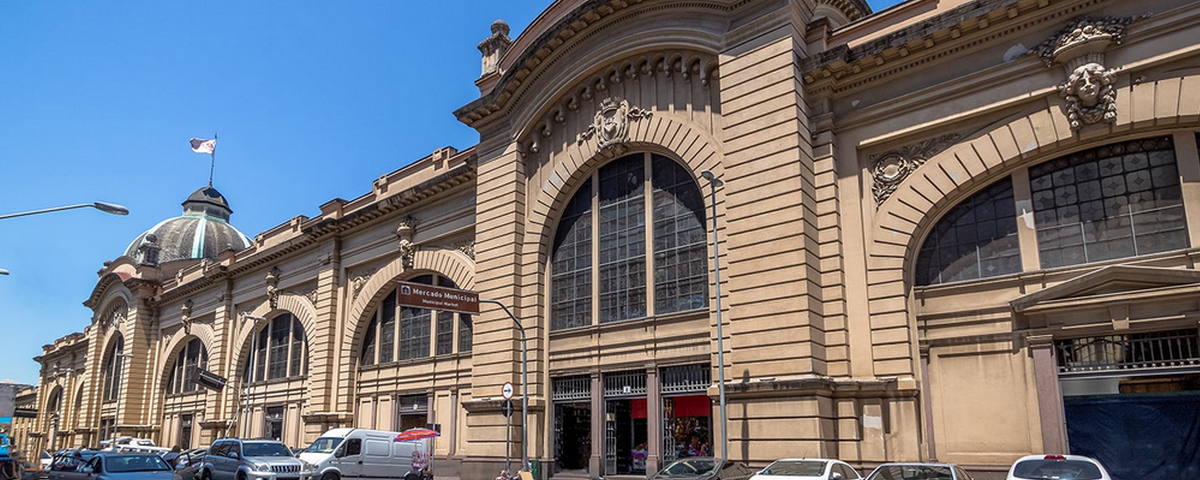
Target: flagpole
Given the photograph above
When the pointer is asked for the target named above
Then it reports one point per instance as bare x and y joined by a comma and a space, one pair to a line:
213, 157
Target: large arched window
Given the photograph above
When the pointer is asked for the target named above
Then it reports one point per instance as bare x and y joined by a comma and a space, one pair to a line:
638, 271
192, 358
54, 403
280, 350
1116, 201
112, 369
976, 239
406, 333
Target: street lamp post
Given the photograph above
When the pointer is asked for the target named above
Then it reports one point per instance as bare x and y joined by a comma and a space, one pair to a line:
120, 366
524, 387
713, 183
250, 373
102, 206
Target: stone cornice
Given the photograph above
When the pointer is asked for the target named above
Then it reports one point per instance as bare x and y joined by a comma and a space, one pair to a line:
564, 33
319, 229
967, 27
820, 385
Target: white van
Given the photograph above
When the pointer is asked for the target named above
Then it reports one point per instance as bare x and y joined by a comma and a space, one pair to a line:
358, 454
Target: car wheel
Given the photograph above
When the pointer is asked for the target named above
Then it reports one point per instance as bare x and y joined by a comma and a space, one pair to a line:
204, 475
241, 476
330, 476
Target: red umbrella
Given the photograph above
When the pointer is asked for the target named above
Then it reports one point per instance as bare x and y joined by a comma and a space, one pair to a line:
415, 434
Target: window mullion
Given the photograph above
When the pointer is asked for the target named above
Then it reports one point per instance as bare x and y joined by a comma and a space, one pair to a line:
595, 246
648, 233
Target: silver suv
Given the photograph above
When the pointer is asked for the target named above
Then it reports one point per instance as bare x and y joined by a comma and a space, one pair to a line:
234, 459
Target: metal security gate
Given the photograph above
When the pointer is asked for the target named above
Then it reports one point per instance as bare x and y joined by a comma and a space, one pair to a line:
1132, 401
571, 397
619, 387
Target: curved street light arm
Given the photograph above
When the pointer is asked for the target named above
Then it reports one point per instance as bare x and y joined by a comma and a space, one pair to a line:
102, 206
524, 385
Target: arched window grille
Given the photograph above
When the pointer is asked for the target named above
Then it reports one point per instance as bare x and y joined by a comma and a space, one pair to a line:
192, 358
602, 245
976, 239
112, 370
406, 333
1116, 201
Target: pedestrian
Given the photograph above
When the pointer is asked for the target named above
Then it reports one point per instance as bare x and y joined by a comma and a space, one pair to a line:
173, 455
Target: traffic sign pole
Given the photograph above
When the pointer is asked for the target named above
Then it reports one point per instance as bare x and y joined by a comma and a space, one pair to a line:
524, 385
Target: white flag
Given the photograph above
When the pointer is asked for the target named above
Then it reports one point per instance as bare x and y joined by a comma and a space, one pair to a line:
200, 145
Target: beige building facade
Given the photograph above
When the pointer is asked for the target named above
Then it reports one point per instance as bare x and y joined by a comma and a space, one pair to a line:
947, 231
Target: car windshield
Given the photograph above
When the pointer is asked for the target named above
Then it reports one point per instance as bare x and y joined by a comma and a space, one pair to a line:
265, 449
134, 463
45, 454
1057, 469
690, 467
796, 468
324, 445
912, 472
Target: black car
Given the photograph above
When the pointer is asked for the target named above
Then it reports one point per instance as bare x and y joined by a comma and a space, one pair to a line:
703, 468
68, 460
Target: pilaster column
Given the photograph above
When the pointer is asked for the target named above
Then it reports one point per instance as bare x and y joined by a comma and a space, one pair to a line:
654, 422
1050, 407
596, 457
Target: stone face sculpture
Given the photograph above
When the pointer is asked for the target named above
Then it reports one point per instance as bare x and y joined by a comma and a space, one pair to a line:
1090, 95
1088, 90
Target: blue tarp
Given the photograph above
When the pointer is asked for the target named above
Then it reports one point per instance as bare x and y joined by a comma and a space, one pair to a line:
1138, 436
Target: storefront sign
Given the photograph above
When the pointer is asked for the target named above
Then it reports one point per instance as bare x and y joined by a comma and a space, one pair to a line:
420, 295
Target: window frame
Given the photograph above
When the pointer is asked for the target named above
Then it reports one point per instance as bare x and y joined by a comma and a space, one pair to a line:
407, 320
654, 166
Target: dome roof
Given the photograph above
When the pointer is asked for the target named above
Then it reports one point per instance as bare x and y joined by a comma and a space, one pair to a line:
203, 231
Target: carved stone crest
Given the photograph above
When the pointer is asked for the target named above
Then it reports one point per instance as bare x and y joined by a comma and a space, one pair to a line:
185, 315
1089, 88
273, 287
611, 124
890, 168
404, 233
116, 316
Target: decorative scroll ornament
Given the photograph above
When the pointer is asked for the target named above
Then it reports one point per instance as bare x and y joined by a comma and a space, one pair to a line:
186, 315
273, 287
358, 282
312, 295
467, 247
611, 123
890, 169
408, 249
1089, 88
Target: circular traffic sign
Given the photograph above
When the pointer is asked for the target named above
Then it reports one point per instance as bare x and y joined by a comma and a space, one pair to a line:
507, 391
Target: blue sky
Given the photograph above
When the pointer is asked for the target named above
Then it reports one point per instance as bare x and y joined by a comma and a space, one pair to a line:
311, 101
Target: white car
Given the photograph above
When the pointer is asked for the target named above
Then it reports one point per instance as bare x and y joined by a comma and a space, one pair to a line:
1045, 467
807, 468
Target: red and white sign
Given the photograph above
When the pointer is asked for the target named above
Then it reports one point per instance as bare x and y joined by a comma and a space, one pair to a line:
507, 391
420, 295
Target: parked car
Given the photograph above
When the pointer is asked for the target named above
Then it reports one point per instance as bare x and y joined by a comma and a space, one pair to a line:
44, 459
703, 468
121, 466
235, 459
360, 454
68, 461
807, 468
922, 471
1058, 467
187, 465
